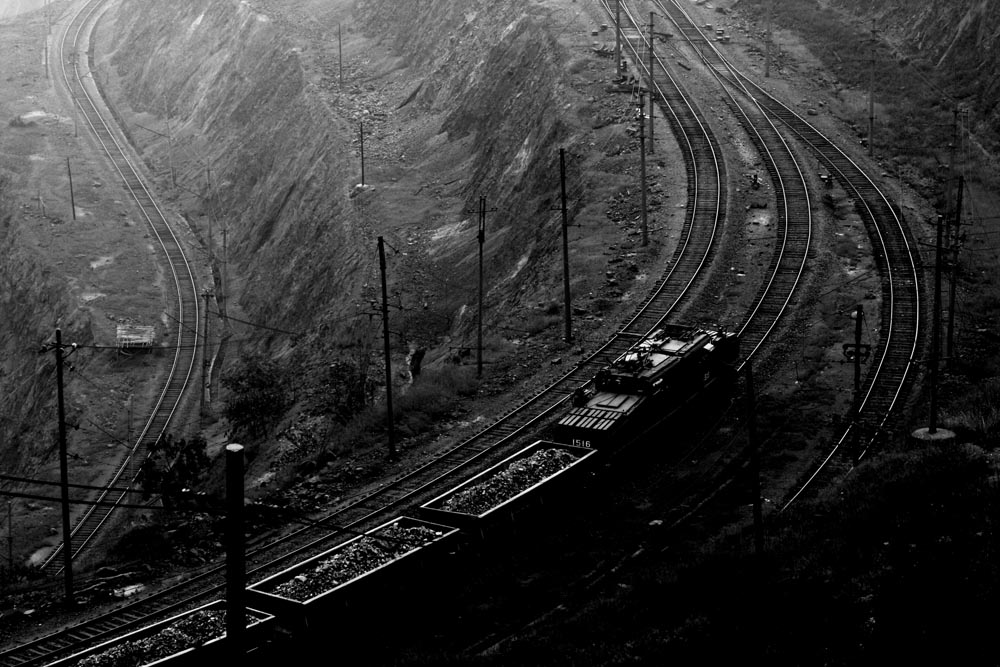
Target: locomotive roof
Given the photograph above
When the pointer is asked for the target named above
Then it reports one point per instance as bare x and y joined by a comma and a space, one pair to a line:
660, 351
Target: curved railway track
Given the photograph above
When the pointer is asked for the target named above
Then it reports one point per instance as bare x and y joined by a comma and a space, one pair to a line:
705, 213
185, 296
891, 367
793, 221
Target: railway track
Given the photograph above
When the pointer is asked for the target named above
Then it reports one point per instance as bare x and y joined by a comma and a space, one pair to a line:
793, 221
705, 212
705, 215
186, 314
891, 368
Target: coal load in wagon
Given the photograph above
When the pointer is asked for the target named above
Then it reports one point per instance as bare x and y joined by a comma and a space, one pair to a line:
511, 489
356, 577
196, 637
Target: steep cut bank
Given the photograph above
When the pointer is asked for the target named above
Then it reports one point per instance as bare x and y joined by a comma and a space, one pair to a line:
33, 302
243, 102
246, 99
960, 37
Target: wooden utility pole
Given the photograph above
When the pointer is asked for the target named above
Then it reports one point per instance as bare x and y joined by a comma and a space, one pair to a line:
950, 354
652, 84
72, 198
949, 198
362, 135
221, 300
642, 164
618, 38
871, 107
758, 510
385, 341
10, 537
857, 353
767, 43
936, 329
565, 238
236, 623
170, 144
211, 208
204, 354
479, 319
340, 56
67, 545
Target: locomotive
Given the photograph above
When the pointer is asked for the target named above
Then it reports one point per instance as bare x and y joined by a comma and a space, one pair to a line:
646, 383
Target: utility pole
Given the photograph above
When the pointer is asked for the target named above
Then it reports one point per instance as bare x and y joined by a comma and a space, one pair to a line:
949, 200
767, 44
858, 356
871, 107
479, 320
340, 56
362, 135
67, 545
211, 239
758, 510
236, 623
385, 339
652, 84
10, 537
936, 329
170, 145
72, 198
565, 238
221, 302
204, 354
618, 38
857, 353
642, 163
950, 354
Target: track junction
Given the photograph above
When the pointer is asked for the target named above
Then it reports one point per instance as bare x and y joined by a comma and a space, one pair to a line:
771, 126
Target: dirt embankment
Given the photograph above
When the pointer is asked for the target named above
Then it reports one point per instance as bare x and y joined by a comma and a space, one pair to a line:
33, 302
458, 100
961, 37
34, 215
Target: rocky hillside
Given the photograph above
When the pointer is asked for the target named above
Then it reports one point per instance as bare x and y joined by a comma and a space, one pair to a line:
960, 37
33, 302
458, 100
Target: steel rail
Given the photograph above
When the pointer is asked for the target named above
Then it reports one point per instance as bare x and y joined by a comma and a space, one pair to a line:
899, 265
789, 263
490, 444
188, 313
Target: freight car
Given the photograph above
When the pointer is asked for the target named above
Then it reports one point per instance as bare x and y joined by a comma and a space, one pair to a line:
646, 384
493, 501
189, 639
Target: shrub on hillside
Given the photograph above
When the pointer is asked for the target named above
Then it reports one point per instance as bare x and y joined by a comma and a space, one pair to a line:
259, 395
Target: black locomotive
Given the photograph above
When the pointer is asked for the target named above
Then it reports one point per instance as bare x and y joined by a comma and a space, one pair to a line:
646, 383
